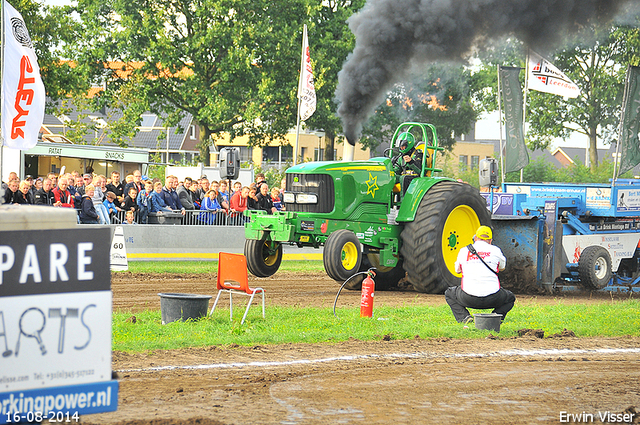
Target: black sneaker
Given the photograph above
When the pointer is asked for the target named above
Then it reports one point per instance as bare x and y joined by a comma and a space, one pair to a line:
468, 319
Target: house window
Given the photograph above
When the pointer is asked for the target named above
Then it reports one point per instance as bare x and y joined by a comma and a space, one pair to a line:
463, 162
475, 162
318, 154
272, 153
148, 121
192, 132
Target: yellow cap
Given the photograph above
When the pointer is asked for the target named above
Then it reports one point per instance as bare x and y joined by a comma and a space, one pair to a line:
484, 232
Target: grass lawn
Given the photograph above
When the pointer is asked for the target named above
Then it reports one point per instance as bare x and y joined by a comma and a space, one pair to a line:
312, 325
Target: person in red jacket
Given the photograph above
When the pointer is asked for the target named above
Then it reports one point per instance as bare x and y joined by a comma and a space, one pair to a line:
62, 195
239, 205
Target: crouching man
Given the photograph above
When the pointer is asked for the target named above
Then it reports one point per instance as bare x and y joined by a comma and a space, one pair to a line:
479, 264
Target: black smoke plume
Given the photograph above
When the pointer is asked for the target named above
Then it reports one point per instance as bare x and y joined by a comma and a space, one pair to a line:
393, 36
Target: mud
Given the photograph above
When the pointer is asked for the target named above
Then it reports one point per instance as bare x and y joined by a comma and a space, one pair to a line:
523, 380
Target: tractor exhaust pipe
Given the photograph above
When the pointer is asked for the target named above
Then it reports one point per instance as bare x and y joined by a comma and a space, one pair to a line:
349, 150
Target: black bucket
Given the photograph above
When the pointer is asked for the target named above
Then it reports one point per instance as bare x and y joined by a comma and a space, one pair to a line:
182, 306
488, 321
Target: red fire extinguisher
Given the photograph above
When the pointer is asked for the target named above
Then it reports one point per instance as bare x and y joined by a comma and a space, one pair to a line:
368, 288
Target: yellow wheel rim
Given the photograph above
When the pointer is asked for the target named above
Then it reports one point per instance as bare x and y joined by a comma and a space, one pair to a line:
458, 232
269, 260
349, 256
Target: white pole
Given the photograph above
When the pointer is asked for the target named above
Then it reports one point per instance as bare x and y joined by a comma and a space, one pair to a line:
625, 99
1, 78
501, 137
167, 161
524, 105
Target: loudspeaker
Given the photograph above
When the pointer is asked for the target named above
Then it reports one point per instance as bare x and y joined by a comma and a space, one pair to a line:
488, 169
229, 163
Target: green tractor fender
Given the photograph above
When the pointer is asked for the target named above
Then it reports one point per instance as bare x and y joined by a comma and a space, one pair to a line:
412, 198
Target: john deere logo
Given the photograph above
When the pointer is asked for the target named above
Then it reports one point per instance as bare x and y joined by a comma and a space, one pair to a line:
372, 185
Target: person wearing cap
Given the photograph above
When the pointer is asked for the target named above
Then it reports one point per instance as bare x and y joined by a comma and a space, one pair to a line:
480, 287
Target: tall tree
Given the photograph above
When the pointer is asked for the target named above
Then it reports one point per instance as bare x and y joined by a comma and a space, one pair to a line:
231, 64
592, 62
52, 30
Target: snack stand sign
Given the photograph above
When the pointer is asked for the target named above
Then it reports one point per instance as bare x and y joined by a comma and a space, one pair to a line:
55, 325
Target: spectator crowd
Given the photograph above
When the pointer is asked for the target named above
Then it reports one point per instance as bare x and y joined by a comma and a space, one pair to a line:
137, 199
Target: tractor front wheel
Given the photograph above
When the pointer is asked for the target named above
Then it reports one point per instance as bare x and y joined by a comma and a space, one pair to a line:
446, 220
263, 256
342, 255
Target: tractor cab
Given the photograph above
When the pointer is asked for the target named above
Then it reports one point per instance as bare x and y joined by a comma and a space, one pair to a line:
413, 153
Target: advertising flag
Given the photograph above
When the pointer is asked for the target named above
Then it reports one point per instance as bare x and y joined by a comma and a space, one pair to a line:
545, 77
306, 88
516, 156
23, 95
629, 142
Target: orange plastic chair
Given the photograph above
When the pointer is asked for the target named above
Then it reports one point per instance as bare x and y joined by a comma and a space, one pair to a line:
234, 279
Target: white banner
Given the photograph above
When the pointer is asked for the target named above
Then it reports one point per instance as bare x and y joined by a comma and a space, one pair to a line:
545, 77
306, 88
23, 94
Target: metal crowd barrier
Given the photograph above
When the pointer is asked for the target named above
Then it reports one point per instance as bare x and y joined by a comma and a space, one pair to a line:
190, 218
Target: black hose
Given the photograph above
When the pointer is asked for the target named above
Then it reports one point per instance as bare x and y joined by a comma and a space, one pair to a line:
344, 283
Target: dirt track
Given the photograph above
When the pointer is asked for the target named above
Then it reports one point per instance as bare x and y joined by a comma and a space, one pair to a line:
523, 380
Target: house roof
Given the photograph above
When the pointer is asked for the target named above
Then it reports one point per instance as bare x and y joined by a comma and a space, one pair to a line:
579, 154
154, 138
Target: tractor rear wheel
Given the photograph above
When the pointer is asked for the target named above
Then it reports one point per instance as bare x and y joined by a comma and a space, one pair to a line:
263, 256
446, 220
385, 278
342, 255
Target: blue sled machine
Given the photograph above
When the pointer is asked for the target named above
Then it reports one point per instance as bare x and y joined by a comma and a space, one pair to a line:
569, 236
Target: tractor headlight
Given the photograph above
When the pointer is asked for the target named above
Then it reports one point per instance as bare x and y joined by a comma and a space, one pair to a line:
289, 198
306, 198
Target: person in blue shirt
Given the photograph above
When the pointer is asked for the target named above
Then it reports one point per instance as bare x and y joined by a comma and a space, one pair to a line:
212, 212
144, 201
110, 204
156, 200
88, 214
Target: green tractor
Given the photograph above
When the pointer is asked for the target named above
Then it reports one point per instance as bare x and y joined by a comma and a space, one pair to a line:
387, 213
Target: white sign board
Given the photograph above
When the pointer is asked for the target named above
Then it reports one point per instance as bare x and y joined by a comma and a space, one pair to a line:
628, 200
619, 245
55, 322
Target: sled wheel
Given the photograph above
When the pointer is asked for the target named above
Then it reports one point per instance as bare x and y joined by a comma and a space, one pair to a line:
594, 267
446, 220
263, 256
342, 255
385, 278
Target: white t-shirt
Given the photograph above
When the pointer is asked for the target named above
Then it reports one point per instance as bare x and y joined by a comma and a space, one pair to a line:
477, 279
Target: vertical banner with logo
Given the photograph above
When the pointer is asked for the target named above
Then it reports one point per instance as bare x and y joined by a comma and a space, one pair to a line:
516, 155
306, 89
629, 145
23, 94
